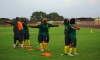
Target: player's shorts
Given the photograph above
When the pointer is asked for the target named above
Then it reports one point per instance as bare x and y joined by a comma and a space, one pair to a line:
26, 36
22, 34
40, 38
67, 39
46, 38
73, 42
17, 36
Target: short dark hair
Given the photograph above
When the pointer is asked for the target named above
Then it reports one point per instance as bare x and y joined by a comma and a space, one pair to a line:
25, 21
72, 21
17, 18
66, 21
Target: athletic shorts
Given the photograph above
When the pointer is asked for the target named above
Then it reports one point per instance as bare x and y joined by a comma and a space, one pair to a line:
26, 36
22, 34
73, 42
44, 38
40, 38
17, 36
67, 39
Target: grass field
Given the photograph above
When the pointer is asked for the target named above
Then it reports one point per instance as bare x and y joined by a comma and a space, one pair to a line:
88, 45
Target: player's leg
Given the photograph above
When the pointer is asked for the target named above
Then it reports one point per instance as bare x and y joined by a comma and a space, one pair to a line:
22, 36
14, 45
28, 42
75, 47
67, 42
46, 41
21, 43
17, 43
24, 39
40, 40
28, 39
71, 46
17, 37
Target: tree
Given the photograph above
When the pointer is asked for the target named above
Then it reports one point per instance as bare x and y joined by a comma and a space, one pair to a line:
1, 19
54, 16
60, 18
36, 16
48, 16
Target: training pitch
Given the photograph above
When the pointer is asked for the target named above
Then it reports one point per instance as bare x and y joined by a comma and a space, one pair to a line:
88, 45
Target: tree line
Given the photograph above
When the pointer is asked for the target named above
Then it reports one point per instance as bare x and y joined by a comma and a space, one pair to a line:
38, 15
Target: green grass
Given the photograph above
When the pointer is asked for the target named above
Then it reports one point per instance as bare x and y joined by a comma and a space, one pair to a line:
88, 45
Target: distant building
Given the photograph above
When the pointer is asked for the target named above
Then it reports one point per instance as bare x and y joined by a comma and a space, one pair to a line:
97, 21
88, 21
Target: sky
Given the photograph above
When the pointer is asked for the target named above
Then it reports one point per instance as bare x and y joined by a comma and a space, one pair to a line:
66, 8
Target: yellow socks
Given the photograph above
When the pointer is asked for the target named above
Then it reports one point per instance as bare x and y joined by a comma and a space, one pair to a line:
41, 45
66, 48
28, 42
74, 49
17, 43
23, 42
70, 50
45, 46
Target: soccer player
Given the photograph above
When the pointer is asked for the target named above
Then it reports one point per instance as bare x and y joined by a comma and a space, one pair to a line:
43, 35
73, 36
20, 28
26, 32
17, 35
67, 36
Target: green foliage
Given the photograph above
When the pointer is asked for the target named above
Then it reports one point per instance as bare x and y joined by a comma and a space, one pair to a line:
36, 16
87, 45
4, 19
54, 16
